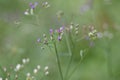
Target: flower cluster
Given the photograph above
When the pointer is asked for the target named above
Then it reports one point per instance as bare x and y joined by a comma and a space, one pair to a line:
55, 35
32, 6
14, 71
31, 76
20, 66
90, 33
93, 33
45, 4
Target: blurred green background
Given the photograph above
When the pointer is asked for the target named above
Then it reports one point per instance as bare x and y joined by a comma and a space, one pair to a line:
18, 35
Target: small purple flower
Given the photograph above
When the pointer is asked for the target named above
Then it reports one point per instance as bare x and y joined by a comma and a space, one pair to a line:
51, 31
32, 6
62, 28
59, 38
38, 40
59, 31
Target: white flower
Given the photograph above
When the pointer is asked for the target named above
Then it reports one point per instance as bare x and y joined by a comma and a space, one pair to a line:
1, 78
90, 34
6, 79
46, 68
24, 61
18, 66
4, 69
26, 12
35, 71
46, 73
28, 74
38, 67
27, 60
71, 27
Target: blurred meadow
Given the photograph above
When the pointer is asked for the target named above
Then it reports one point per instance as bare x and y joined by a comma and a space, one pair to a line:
19, 34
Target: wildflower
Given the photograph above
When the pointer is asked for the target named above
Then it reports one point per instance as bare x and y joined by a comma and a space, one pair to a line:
62, 28
93, 33
6, 78
76, 29
33, 77
38, 67
71, 27
59, 31
51, 31
16, 76
28, 74
45, 4
59, 38
46, 68
44, 35
38, 40
18, 66
32, 6
29, 78
26, 12
35, 71
31, 10
46, 73
1, 78
77, 25
23, 61
27, 60
76, 32
45, 41
4, 69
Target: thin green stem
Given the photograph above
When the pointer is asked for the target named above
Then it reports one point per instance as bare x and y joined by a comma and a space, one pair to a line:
71, 55
58, 61
73, 71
